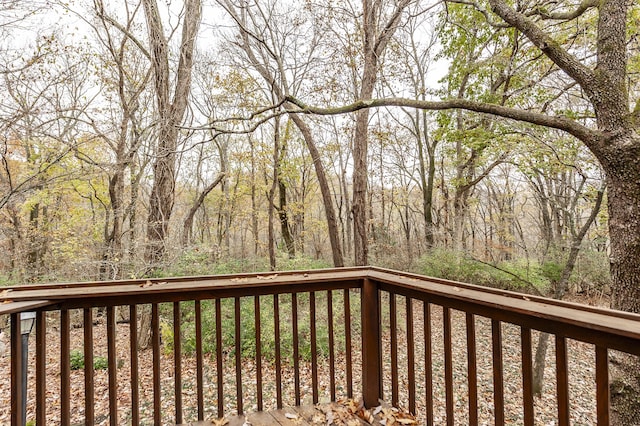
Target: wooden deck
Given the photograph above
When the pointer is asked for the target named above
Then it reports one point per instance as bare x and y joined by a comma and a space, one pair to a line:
290, 416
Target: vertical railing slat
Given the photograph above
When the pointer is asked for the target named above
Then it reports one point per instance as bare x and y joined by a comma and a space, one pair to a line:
296, 363
562, 381
411, 366
238, 351
199, 360
393, 325
177, 361
65, 369
314, 347
276, 327
347, 341
155, 345
448, 364
602, 385
16, 371
219, 372
258, 326
112, 366
41, 368
428, 366
332, 362
88, 368
133, 353
527, 376
498, 376
472, 369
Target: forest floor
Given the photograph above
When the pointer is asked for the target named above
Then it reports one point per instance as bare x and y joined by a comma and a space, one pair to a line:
581, 377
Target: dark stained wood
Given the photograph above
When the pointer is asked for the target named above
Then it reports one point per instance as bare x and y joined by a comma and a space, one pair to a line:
169, 290
112, 364
562, 381
314, 347
276, 326
411, 362
371, 356
428, 369
527, 376
393, 330
155, 345
332, 356
296, 355
448, 365
199, 360
238, 351
65, 369
257, 319
41, 368
602, 386
177, 361
498, 373
133, 351
347, 341
608, 328
219, 376
16, 370
88, 368
248, 278
472, 369
10, 306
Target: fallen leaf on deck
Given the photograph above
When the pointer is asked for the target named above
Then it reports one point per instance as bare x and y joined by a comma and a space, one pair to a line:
291, 416
220, 422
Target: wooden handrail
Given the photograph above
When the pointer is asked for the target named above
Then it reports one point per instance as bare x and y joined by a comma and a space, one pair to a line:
384, 295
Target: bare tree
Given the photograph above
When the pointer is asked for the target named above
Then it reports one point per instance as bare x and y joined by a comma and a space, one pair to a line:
171, 110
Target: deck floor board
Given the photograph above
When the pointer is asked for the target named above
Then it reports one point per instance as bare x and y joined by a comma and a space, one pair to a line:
289, 416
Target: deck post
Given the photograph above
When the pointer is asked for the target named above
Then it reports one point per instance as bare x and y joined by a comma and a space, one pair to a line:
371, 354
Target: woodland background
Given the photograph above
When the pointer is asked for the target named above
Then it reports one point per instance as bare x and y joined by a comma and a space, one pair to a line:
137, 139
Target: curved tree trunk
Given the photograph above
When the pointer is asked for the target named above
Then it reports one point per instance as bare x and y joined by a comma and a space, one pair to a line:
187, 227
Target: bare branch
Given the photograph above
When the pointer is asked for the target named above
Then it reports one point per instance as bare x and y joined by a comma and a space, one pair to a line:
565, 16
585, 134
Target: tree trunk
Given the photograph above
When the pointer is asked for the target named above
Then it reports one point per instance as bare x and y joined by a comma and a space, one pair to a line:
188, 221
284, 218
171, 113
325, 191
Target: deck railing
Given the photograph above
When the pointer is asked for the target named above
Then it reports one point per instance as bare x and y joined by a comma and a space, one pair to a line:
231, 344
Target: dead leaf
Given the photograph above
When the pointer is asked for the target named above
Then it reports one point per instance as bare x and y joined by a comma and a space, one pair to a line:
239, 280
266, 277
3, 293
291, 416
146, 284
220, 422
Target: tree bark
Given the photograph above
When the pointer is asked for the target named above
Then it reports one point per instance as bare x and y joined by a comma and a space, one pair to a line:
170, 113
375, 39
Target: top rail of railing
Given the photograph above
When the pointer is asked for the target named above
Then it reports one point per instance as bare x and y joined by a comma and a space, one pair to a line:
606, 327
